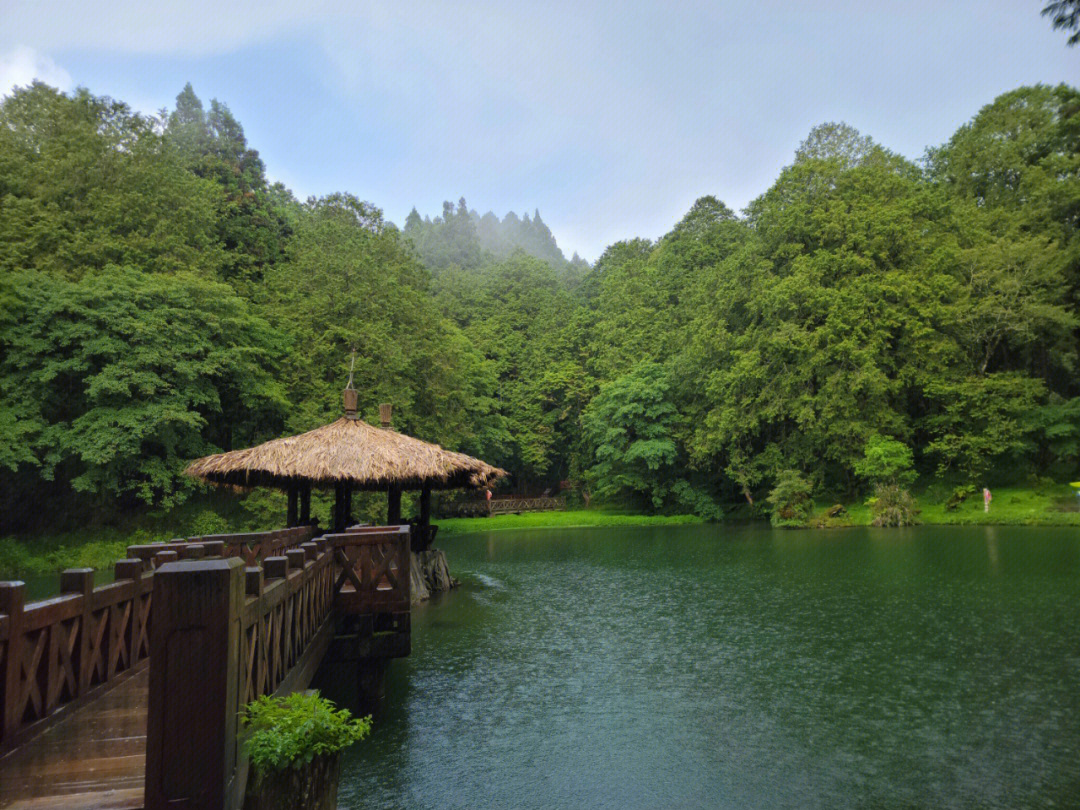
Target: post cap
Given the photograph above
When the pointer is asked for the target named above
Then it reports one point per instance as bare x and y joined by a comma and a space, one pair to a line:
348, 397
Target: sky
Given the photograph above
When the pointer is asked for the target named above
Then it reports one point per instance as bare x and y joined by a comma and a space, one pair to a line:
610, 118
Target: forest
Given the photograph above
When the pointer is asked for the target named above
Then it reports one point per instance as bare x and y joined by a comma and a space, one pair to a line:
868, 325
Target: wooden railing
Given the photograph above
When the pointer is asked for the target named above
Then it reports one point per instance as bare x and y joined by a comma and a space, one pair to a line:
372, 570
288, 600
220, 635
504, 506
252, 547
57, 653
224, 635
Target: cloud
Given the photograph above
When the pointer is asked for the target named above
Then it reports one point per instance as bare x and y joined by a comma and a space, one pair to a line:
21, 65
193, 27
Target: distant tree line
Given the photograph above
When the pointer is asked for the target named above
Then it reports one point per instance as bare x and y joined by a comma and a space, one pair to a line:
462, 238
867, 320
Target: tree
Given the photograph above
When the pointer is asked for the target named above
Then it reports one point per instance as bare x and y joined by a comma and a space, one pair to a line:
351, 283
887, 465
633, 427
886, 461
1065, 14
816, 331
122, 376
251, 221
975, 422
85, 183
838, 142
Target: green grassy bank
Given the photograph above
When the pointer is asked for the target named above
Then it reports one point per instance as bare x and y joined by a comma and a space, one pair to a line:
571, 519
1055, 505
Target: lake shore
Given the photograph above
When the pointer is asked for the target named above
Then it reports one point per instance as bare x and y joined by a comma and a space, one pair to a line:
99, 548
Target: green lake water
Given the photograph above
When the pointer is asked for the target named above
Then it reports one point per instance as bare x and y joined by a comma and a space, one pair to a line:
720, 667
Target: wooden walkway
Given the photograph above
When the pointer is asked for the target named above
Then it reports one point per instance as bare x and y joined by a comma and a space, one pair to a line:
93, 758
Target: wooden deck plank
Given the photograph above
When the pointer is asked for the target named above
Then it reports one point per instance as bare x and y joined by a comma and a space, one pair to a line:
93, 758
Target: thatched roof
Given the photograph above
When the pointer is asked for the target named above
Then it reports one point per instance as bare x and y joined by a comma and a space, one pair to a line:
347, 450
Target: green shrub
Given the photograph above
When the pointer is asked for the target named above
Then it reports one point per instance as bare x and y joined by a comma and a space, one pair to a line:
892, 505
886, 461
208, 522
291, 731
959, 495
791, 500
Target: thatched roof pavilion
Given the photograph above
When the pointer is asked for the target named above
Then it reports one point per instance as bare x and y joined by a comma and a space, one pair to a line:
348, 450
348, 454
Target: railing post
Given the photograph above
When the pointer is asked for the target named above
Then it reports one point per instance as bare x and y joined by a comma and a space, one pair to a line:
194, 685
81, 581
12, 599
296, 557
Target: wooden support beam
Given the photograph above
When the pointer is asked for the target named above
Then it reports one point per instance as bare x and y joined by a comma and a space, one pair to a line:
191, 746
423, 528
305, 503
393, 506
342, 505
292, 512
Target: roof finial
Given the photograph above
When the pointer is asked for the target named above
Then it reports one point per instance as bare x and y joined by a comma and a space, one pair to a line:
349, 394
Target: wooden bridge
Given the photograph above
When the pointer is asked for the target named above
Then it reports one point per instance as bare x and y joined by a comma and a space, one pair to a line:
512, 505
127, 695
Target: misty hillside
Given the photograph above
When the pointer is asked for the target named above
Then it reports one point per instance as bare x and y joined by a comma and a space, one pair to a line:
463, 238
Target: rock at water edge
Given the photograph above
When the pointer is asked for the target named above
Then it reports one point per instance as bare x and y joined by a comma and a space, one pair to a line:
430, 574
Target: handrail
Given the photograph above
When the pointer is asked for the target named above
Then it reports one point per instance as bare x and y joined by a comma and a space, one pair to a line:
373, 569
57, 653
223, 636
253, 547
226, 635
505, 505
287, 600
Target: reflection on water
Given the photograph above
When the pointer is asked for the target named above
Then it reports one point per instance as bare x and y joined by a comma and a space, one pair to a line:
713, 667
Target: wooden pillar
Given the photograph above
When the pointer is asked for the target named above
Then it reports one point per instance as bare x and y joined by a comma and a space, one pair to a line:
305, 503
393, 506
191, 744
423, 528
291, 514
12, 600
342, 505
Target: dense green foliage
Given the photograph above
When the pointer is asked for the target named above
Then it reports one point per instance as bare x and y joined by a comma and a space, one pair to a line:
791, 499
292, 731
868, 321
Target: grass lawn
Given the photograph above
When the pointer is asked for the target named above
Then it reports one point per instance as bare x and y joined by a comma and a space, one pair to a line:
575, 518
1011, 506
